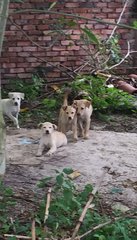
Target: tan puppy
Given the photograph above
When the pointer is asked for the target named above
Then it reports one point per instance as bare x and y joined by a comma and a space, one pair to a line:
50, 138
67, 118
84, 111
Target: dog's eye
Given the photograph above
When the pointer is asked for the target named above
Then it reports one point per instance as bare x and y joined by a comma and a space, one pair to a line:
72, 112
50, 127
67, 112
13, 98
18, 98
82, 108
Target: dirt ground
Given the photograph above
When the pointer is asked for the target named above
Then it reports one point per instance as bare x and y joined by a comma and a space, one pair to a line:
112, 144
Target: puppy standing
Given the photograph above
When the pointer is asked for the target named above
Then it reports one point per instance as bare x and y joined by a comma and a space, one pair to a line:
67, 117
50, 138
84, 111
11, 106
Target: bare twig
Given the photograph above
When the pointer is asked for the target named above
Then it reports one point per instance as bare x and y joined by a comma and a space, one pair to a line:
33, 230
123, 59
12, 222
119, 20
91, 197
75, 16
102, 225
47, 205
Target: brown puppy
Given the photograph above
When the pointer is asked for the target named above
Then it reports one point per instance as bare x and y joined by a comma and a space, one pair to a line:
67, 117
84, 111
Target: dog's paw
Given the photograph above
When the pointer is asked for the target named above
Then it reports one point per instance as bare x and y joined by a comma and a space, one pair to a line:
49, 153
86, 137
75, 139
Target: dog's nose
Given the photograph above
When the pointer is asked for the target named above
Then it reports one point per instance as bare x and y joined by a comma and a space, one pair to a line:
47, 131
16, 103
69, 118
78, 114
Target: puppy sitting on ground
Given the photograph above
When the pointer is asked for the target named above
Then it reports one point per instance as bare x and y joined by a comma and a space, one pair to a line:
50, 138
84, 111
67, 117
11, 106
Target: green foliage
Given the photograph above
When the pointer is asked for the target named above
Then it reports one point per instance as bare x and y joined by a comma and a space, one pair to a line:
91, 36
6, 202
104, 99
66, 206
32, 90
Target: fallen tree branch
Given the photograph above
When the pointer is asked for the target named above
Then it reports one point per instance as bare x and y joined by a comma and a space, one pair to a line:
33, 230
101, 225
47, 205
91, 197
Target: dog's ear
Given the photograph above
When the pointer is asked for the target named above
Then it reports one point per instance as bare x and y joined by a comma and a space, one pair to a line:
40, 125
22, 96
87, 104
10, 94
54, 126
64, 108
74, 105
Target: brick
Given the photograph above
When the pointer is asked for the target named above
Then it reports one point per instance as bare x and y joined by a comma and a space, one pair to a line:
24, 75
29, 27
58, 48
23, 43
67, 42
75, 37
8, 65
72, 5
30, 49
15, 49
23, 65
75, 48
17, 70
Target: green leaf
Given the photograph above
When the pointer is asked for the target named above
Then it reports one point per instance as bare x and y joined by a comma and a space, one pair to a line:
59, 179
92, 37
67, 170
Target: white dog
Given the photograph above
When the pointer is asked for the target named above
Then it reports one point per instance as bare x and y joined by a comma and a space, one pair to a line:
11, 106
50, 138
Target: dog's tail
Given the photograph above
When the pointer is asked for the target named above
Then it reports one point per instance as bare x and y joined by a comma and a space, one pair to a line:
67, 91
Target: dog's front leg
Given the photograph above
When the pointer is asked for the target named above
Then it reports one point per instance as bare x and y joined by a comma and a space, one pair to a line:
40, 149
87, 126
51, 150
14, 119
81, 129
75, 130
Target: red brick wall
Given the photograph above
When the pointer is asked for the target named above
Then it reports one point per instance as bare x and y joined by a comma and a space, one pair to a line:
30, 39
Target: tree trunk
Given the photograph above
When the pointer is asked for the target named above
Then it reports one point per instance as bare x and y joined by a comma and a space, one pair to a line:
4, 6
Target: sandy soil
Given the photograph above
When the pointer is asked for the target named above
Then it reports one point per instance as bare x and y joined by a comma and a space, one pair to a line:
104, 148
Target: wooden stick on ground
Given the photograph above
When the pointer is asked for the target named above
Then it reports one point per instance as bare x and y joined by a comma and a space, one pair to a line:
33, 230
91, 197
47, 205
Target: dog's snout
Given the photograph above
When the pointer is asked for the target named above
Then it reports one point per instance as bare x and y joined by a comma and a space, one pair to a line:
78, 114
16, 103
47, 131
69, 118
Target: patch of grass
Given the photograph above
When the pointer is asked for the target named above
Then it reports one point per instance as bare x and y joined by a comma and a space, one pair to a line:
66, 206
